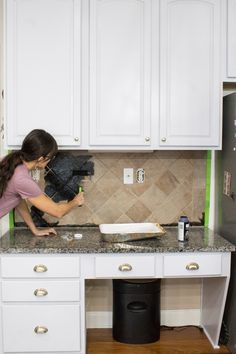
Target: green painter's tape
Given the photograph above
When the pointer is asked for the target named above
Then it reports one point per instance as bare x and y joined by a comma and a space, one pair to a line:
219, 186
208, 186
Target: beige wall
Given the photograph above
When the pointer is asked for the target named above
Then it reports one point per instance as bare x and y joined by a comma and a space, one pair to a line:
176, 294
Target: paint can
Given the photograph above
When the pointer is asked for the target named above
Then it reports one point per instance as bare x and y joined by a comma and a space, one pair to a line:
183, 228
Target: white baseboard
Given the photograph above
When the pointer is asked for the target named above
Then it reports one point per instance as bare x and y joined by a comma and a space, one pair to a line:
172, 318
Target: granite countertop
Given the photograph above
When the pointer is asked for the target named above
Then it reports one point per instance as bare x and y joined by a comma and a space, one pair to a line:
20, 240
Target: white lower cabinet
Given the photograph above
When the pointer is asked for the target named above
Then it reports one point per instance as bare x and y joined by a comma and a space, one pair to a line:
194, 265
40, 291
42, 305
38, 328
125, 267
44, 313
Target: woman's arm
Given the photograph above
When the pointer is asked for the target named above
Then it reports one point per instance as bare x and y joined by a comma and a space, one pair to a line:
22, 209
45, 204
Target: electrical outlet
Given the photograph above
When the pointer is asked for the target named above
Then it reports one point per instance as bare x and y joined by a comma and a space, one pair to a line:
128, 176
140, 175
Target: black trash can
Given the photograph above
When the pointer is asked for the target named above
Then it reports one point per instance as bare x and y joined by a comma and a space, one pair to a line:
136, 311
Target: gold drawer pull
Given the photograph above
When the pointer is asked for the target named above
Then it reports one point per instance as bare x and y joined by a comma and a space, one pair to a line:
40, 330
40, 292
125, 267
40, 268
192, 266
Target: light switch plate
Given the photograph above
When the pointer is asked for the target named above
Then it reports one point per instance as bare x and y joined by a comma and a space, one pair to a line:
128, 176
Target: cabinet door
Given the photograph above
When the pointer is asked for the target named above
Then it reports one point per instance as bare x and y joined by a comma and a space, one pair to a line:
43, 69
46, 328
190, 86
120, 77
231, 41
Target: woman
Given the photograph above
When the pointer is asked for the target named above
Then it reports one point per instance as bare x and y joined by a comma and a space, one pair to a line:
17, 185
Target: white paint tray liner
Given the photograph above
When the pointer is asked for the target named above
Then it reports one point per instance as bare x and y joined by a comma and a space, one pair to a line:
130, 232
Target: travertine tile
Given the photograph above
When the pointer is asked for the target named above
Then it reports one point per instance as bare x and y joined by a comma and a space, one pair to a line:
182, 196
109, 183
95, 198
124, 199
121, 163
99, 170
182, 169
124, 219
78, 216
139, 188
109, 212
167, 182
152, 197
138, 212
174, 185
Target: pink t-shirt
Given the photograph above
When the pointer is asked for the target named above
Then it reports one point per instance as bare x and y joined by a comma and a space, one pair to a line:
21, 186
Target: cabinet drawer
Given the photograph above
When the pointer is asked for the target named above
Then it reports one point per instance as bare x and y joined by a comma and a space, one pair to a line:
40, 290
192, 265
40, 267
60, 322
125, 267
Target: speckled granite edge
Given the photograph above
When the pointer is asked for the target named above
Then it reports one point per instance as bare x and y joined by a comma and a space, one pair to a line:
21, 241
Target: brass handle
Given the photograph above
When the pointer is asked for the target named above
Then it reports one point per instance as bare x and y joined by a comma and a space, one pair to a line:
40, 268
40, 330
40, 292
163, 140
192, 266
125, 267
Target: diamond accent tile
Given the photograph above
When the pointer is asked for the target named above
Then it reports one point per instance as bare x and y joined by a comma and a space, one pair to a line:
109, 212
95, 198
167, 183
138, 212
109, 184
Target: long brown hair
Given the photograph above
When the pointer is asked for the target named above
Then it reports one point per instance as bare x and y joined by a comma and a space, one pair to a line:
36, 144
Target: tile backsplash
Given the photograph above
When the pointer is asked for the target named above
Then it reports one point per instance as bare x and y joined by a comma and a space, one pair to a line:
175, 184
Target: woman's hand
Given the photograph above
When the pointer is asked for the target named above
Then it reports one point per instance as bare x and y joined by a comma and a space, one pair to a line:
79, 199
45, 232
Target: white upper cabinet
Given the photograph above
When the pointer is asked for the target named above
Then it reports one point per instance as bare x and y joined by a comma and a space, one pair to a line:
190, 82
43, 69
120, 73
230, 40
117, 74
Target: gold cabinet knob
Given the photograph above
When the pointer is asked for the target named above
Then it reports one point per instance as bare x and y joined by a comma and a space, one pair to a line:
163, 140
40, 268
40, 330
40, 292
192, 266
125, 267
